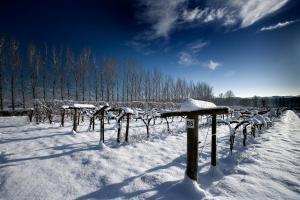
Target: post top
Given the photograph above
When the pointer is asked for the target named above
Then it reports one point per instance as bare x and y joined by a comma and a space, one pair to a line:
202, 111
193, 107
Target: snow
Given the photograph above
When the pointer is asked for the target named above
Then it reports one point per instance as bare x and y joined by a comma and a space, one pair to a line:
65, 107
256, 121
192, 104
135, 114
261, 119
76, 105
128, 110
47, 162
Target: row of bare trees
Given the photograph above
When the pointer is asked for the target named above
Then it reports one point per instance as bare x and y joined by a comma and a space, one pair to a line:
56, 72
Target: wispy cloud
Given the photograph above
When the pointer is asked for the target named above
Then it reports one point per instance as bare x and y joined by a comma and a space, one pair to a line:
278, 25
165, 16
196, 46
213, 65
161, 15
251, 11
187, 59
188, 56
207, 15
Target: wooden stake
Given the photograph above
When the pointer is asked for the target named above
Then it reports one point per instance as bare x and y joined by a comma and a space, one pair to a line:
127, 128
63, 118
75, 120
214, 140
192, 147
102, 127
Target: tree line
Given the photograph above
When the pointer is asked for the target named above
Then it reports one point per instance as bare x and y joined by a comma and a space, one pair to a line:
57, 72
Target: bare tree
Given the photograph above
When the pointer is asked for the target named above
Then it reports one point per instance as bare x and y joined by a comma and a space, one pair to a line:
69, 65
55, 69
45, 71
14, 61
62, 74
96, 73
229, 96
77, 80
33, 70
22, 82
110, 73
84, 64
2, 43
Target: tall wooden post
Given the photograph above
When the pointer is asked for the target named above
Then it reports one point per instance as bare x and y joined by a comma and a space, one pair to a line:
93, 123
245, 135
75, 120
102, 127
78, 117
30, 115
214, 140
63, 117
192, 147
127, 128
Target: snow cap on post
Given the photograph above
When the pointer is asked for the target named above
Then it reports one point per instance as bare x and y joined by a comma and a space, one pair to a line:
128, 110
192, 104
77, 105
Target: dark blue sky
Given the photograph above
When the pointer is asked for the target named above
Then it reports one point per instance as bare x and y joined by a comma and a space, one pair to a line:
249, 46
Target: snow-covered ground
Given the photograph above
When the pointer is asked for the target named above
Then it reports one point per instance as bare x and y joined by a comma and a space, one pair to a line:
49, 162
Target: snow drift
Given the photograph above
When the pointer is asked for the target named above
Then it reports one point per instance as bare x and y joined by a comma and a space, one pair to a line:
192, 104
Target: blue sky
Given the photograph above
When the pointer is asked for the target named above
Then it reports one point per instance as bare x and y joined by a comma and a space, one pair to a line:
249, 46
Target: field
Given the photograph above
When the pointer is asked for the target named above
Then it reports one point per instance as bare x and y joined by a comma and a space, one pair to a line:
47, 161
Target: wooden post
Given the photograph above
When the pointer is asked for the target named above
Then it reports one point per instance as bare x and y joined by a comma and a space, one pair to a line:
253, 130
75, 120
63, 117
167, 124
127, 128
30, 115
78, 117
245, 135
214, 140
192, 136
192, 147
119, 131
93, 123
102, 127
119, 122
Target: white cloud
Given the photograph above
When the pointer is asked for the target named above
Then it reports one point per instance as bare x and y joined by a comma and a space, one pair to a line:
207, 15
278, 25
213, 65
167, 15
162, 15
189, 55
196, 46
187, 59
250, 11
229, 13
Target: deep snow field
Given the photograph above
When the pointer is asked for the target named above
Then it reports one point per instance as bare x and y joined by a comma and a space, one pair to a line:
43, 161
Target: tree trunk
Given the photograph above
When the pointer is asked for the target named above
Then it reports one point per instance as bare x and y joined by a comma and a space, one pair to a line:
1, 89
12, 92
